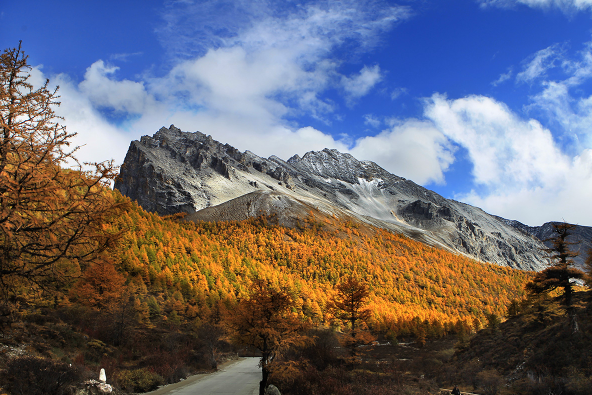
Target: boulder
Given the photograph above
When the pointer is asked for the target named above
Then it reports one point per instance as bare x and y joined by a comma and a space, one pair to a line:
272, 390
94, 387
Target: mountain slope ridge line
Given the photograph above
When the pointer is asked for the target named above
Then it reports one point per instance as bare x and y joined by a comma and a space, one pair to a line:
175, 171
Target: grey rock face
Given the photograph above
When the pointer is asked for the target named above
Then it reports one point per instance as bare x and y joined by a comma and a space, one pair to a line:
580, 238
175, 171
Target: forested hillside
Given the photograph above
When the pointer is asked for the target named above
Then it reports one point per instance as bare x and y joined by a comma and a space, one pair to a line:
151, 309
188, 267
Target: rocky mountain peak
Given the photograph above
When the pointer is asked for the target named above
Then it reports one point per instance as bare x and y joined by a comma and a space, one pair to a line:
175, 171
331, 163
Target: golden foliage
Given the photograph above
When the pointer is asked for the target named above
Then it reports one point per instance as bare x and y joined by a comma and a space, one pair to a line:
213, 262
101, 287
348, 305
265, 320
51, 219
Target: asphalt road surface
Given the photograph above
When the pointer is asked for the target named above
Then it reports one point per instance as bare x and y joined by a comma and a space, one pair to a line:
241, 378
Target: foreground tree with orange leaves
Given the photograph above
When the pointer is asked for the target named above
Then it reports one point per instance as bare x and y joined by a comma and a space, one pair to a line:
52, 218
265, 320
349, 307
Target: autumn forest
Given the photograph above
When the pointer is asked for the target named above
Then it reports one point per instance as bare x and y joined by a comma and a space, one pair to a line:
191, 267
90, 280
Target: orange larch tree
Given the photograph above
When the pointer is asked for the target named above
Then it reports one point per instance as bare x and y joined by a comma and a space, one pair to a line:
349, 305
265, 320
51, 218
101, 287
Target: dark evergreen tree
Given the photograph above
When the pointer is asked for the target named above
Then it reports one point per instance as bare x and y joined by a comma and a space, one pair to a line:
561, 271
588, 268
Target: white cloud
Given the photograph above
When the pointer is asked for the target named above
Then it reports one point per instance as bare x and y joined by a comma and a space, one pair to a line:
264, 65
372, 120
360, 84
193, 27
125, 96
503, 77
252, 48
562, 102
567, 6
412, 149
98, 139
36, 76
504, 149
522, 172
568, 200
124, 56
397, 92
238, 71
537, 65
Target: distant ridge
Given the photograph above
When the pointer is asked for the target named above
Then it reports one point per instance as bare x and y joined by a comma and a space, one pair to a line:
581, 237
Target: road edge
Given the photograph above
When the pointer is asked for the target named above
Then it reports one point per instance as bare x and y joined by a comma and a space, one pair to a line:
164, 390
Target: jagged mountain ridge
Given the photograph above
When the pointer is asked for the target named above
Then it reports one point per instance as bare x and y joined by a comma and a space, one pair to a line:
580, 237
176, 171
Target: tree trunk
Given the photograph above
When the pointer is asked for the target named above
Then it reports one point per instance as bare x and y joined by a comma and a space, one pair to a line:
263, 382
568, 293
265, 355
574, 323
214, 363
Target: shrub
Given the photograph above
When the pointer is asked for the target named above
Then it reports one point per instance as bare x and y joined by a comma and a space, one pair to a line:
578, 383
305, 379
489, 381
544, 386
321, 353
170, 367
40, 376
139, 380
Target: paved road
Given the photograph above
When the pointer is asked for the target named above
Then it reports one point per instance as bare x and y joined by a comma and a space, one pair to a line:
241, 378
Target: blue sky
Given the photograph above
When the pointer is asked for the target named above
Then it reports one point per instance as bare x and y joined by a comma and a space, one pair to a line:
484, 101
